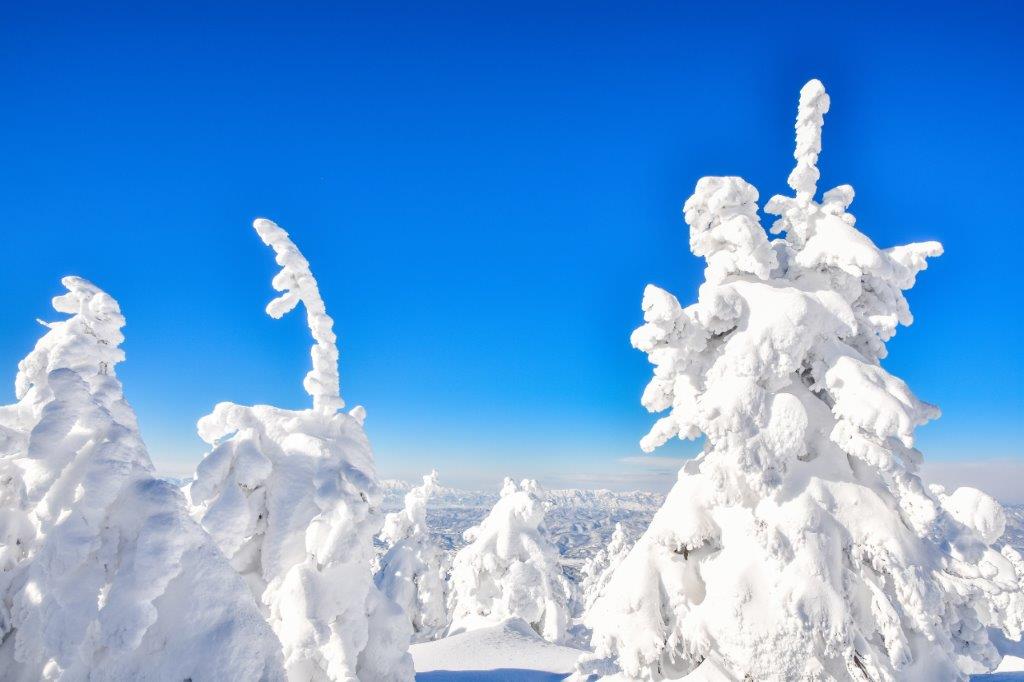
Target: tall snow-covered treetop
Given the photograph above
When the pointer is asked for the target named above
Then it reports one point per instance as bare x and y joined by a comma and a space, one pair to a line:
801, 543
292, 499
298, 284
414, 570
108, 577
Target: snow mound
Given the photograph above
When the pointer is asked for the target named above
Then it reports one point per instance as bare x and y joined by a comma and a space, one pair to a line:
510, 650
1011, 669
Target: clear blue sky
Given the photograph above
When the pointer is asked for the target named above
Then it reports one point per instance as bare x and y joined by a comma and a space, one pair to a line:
483, 191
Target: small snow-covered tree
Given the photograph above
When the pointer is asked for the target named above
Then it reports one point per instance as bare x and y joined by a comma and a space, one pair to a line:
598, 569
510, 568
414, 571
801, 543
104, 574
292, 499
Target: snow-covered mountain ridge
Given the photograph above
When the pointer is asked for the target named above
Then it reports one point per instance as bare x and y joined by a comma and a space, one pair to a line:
633, 500
581, 521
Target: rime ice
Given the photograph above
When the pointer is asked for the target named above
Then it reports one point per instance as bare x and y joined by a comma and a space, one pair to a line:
105, 576
801, 543
292, 499
510, 569
414, 571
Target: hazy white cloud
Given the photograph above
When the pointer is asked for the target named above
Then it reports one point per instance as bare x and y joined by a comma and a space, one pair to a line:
1002, 478
654, 462
659, 481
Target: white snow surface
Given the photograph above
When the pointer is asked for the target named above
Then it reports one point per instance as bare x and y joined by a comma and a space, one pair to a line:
801, 543
507, 651
291, 498
105, 575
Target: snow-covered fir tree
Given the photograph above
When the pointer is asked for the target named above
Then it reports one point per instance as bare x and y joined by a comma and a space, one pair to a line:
510, 568
292, 498
598, 569
104, 574
414, 571
801, 543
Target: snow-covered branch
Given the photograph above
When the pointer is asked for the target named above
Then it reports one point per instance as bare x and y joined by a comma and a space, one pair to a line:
297, 283
810, 118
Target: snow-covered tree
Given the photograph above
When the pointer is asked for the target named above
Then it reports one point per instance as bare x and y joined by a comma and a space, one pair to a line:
801, 543
414, 571
598, 569
292, 499
510, 568
104, 574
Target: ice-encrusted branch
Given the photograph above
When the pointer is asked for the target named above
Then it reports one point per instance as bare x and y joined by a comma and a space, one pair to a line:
810, 118
298, 284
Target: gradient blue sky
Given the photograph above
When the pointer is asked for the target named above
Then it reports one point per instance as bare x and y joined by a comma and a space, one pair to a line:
483, 192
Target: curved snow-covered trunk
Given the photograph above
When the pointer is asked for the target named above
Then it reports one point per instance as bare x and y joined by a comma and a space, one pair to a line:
108, 577
801, 543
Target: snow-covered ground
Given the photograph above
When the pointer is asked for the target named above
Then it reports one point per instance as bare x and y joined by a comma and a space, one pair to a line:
1011, 669
512, 652
509, 651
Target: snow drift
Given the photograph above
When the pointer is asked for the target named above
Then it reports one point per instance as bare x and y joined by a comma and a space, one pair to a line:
801, 543
105, 575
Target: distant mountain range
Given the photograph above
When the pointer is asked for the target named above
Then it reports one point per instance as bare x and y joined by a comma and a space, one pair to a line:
580, 521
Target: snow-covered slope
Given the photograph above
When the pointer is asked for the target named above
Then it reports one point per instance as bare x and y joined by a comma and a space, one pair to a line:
1010, 670
508, 651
